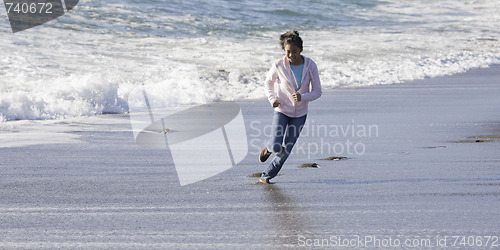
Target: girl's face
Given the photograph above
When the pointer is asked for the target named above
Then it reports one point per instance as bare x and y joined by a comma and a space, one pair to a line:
293, 53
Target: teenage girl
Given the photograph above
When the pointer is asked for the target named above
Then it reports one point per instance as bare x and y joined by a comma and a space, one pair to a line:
297, 80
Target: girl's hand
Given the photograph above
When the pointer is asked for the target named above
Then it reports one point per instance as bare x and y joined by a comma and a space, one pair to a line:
296, 97
276, 103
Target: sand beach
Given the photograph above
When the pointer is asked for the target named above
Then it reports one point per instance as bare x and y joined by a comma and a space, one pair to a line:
418, 167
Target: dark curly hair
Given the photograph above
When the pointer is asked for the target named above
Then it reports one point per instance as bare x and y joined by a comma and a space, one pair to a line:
291, 37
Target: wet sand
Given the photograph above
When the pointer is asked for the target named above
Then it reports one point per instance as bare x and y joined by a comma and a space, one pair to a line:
415, 170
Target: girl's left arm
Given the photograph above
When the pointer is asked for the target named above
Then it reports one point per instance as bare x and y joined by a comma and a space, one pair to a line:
315, 92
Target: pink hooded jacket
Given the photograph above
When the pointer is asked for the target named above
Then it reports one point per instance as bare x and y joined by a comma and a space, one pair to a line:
310, 89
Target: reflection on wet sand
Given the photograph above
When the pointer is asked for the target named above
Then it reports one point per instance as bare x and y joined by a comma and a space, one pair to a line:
285, 218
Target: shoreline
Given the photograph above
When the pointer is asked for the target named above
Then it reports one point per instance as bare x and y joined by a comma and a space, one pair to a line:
62, 134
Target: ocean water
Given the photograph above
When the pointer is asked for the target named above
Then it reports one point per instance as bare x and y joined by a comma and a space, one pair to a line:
86, 62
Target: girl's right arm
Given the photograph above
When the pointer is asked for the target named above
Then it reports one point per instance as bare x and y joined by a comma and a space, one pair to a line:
271, 78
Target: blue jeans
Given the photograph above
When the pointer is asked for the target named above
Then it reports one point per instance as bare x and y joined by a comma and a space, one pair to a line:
286, 130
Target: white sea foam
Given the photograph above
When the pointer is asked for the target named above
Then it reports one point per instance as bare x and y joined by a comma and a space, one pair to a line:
86, 62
